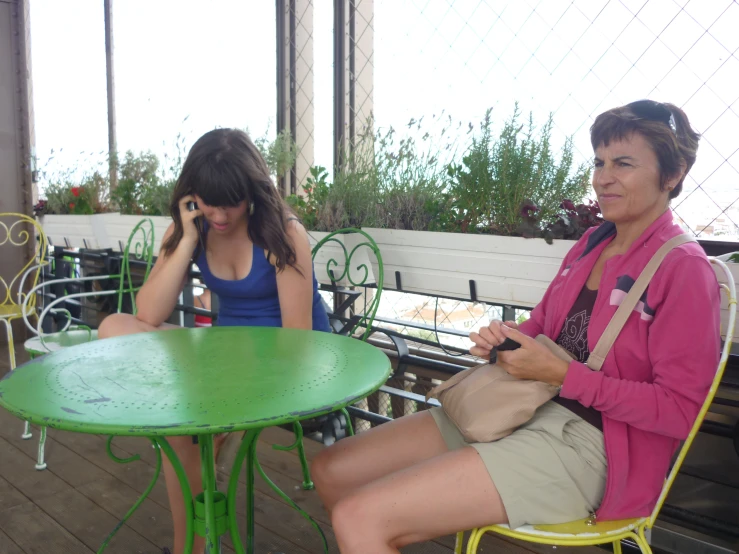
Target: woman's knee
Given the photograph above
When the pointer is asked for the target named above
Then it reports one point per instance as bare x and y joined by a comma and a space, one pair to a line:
357, 519
322, 467
115, 325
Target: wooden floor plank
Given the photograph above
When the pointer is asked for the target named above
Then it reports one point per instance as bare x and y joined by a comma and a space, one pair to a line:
136, 475
10, 496
62, 462
151, 520
8, 546
17, 469
91, 524
37, 533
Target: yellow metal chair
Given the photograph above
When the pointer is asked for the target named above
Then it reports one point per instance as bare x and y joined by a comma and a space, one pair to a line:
20, 231
586, 532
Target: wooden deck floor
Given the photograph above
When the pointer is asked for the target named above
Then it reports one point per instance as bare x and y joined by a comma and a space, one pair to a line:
73, 505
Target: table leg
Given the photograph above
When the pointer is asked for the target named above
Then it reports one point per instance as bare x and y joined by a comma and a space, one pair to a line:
290, 501
250, 497
298, 432
141, 498
186, 491
247, 450
212, 538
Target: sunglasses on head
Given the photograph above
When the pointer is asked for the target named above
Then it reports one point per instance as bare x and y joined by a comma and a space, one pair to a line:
653, 111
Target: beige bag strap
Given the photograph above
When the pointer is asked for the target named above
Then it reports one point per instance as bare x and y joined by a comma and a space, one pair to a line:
599, 353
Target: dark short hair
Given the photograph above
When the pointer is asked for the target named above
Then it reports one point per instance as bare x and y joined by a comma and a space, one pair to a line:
664, 126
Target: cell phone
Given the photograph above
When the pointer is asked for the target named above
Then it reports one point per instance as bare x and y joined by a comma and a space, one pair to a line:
191, 206
508, 344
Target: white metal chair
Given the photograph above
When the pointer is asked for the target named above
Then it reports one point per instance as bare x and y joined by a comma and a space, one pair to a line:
585, 532
140, 246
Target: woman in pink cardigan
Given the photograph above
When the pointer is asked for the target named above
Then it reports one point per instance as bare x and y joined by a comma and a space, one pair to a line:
604, 444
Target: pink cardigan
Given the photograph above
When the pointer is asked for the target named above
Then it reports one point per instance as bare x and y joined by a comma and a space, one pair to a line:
656, 376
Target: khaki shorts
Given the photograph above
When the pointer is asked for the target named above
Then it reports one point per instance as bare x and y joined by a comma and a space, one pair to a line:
550, 470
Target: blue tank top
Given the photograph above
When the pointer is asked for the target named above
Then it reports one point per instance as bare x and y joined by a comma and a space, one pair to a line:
253, 301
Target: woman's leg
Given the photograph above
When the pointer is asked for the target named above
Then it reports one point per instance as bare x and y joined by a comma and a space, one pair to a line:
436, 497
116, 325
353, 462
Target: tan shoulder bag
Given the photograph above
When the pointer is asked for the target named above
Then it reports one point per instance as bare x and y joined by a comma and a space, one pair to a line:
486, 403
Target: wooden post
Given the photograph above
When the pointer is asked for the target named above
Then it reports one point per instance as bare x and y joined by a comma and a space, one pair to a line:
17, 188
112, 142
353, 73
295, 86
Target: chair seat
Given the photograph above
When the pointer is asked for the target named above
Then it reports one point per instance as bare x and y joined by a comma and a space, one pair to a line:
57, 341
574, 531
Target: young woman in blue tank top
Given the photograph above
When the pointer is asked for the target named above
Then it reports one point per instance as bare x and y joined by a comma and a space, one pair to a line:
253, 253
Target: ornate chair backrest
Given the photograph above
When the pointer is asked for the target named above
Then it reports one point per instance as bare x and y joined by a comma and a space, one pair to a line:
140, 247
21, 231
727, 285
344, 258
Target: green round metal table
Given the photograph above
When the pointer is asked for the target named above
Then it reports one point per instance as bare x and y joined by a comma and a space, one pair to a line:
197, 382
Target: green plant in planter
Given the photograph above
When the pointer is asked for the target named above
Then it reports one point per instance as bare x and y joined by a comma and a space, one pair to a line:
499, 174
571, 222
280, 153
384, 181
416, 182
88, 196
141, 189
315, 190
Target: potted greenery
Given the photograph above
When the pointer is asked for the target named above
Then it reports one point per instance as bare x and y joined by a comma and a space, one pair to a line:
68, 215
503, 216
84, 211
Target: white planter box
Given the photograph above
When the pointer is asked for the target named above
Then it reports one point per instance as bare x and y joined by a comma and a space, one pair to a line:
118, 229
110, 230
506, 270
73, 230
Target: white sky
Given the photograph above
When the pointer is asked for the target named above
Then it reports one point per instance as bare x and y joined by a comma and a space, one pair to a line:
214, 63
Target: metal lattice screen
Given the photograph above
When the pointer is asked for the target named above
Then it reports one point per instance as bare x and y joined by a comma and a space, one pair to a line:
412, 59
574, 59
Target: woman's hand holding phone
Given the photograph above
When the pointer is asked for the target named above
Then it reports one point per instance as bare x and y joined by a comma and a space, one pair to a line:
489, 337
189, 213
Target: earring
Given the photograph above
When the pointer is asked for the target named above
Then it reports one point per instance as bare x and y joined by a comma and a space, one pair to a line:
251, 208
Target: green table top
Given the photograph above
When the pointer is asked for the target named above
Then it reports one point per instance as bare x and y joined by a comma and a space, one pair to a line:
194, 381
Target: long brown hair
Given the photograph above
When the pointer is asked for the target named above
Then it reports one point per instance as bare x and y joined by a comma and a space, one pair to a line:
224, 168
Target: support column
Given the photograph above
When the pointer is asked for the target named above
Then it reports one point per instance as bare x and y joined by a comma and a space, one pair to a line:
353, 73
110, 80
17, 188
295, 85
